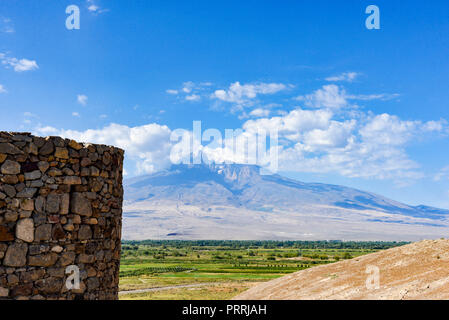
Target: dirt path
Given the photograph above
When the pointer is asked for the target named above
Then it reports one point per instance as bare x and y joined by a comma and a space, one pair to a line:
168, 288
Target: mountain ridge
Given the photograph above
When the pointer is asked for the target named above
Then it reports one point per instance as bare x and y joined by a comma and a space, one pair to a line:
223, 188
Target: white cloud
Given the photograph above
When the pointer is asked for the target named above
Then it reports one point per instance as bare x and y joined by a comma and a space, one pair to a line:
82, 99
193, 97
188, 86
259, 112
329, 96
369, 146
190, 91
94, 8
2, 89
345, 76
335, 97
148, 146
19, 65
75, 114
239, 94
367, 97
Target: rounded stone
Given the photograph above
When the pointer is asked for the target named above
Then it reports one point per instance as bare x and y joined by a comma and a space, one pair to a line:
10, 167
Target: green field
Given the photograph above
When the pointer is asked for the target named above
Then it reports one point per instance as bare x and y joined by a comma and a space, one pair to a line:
222, 269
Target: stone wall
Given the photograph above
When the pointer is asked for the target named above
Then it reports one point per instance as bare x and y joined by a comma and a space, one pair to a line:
60, 212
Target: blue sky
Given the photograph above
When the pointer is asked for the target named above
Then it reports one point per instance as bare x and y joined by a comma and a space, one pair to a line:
358, 107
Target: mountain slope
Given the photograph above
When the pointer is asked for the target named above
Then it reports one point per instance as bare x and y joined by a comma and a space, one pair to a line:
236, 202
415, 271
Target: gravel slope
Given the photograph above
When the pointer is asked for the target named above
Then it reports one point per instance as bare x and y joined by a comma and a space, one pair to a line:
416, 271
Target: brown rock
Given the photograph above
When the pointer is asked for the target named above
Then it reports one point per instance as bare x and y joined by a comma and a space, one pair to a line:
25, 230
22, 290
6, 234
79, 204
65, 203
53, 172
85, 162
75, 145
58, 232
49, 285
91, 272
39, 204
56, 272
72, 180
86, 258
47, 148
57, 249
61, 153
93, 283
13, 279
67, 258
43, 260
85, 233
33, 175
4, 292
107, 158
43, 232
76, 219
32, 148
94, 171
2, 157
33, 275
9, 190
9, 148
43, 166
27, 204
11, 216
69, 227
52, 205
16, 255
25, 214
27, 193
54, 218
10, 179
10, 167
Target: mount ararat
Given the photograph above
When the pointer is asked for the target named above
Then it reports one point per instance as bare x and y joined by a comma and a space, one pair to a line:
236, 202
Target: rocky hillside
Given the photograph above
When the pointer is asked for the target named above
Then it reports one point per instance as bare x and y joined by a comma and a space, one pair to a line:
416, 271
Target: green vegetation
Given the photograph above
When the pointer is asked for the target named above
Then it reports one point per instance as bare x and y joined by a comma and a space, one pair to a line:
223, 268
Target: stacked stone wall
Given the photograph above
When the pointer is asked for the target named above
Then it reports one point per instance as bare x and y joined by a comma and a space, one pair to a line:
60, 218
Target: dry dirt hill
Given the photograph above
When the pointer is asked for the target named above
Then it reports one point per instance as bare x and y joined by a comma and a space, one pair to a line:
416, 271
